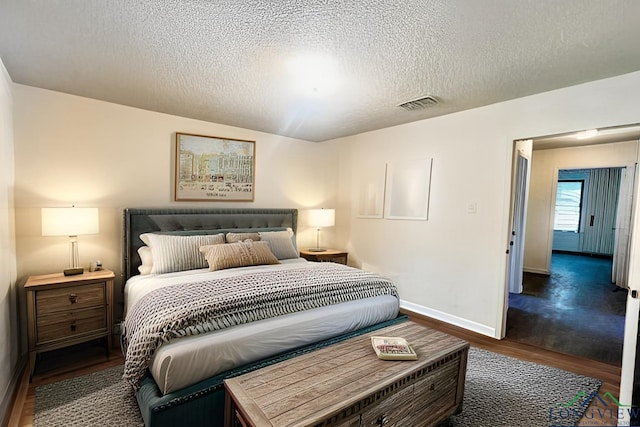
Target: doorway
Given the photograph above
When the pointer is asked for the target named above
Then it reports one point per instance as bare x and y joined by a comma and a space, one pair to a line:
567, 303
574, 310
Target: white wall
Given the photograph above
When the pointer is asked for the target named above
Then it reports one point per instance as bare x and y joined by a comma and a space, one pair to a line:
453, 265
9, 348
73, 150
544, 175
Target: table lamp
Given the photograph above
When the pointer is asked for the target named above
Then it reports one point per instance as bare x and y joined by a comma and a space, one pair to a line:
70, 222
321, 218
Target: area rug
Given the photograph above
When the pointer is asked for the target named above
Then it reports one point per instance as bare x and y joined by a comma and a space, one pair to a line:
99, 399
499, 391
504, 391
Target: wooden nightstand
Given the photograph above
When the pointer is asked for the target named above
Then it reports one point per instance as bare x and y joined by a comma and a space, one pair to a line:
67, 310
330, 255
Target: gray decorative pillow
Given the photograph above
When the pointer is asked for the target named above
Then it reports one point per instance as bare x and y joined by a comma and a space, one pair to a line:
241, 237
239, 254
178, 253
281, 243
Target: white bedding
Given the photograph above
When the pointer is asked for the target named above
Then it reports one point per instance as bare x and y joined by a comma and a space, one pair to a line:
188, 360
138, 286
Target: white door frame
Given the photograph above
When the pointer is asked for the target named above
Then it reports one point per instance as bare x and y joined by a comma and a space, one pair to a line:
521, 149
518, 223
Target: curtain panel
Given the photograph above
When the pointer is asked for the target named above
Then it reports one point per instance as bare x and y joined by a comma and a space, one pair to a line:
602, 199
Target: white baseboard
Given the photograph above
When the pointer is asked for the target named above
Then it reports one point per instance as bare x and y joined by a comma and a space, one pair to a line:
449, 318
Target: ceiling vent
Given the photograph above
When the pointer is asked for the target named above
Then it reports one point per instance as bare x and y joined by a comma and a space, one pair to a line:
420, 103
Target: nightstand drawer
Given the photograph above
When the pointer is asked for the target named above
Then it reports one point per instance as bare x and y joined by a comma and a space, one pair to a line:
68, 324
73, 297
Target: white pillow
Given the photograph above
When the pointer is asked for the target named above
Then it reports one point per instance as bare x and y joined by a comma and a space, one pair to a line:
178, 253
147, 260
281, 243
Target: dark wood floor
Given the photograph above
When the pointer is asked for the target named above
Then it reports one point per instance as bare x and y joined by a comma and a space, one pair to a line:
66, 365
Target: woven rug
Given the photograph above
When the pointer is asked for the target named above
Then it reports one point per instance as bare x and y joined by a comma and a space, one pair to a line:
499, 391
503, 391
99, 399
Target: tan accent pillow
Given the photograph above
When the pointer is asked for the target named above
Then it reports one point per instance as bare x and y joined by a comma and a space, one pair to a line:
241, 237
239, 254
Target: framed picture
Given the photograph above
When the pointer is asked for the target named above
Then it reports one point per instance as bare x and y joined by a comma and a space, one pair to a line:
371, 192
210, 168
408, 185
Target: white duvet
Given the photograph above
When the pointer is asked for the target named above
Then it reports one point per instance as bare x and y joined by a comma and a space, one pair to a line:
186, 361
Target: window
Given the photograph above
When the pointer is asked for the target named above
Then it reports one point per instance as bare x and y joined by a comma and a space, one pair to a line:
568, 206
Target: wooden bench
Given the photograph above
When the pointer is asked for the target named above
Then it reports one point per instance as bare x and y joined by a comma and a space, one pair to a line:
346, 384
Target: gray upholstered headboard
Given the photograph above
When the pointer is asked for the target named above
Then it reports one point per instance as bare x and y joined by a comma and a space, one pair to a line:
196, 221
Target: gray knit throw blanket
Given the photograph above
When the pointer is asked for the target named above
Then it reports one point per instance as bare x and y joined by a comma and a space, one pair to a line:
200, 307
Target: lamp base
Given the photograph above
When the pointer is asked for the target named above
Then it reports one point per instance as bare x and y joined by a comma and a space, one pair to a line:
317, 250
73, 271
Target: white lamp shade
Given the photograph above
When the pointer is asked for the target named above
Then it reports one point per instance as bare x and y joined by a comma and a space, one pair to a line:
320, 218
69, 221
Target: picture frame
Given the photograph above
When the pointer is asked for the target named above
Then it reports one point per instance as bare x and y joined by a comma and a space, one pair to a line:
371, 192
211, 168
408, 184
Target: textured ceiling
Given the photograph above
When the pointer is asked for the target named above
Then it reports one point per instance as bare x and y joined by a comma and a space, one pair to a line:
228, 61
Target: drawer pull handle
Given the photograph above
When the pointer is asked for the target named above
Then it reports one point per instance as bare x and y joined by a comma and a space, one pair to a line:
382, 420
73, 298
73, 327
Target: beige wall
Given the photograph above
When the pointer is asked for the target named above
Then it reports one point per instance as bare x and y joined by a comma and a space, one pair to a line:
9, 333
453, 266
73, 150
76, 150
544, 175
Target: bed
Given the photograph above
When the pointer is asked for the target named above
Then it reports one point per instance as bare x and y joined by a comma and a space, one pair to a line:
206, 300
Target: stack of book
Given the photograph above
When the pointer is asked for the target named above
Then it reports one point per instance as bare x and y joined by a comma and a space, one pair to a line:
393, 348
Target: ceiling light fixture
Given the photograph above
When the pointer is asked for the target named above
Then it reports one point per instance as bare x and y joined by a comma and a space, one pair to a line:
313, 74
587, 134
